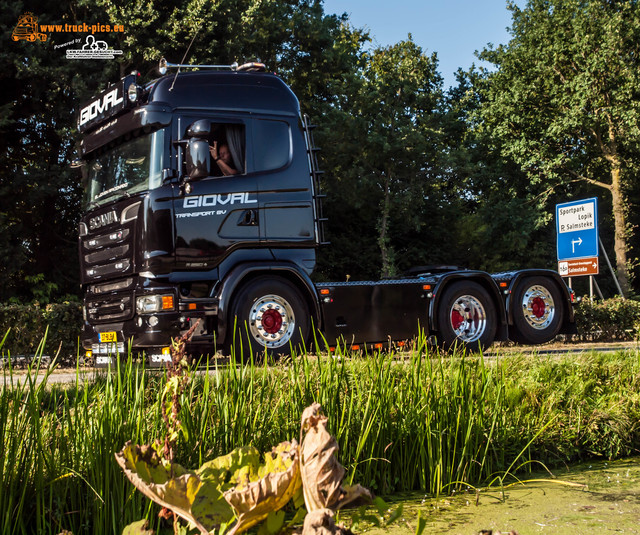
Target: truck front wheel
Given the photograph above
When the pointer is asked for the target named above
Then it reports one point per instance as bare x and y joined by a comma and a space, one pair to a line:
268, 316
466, 316
537, 311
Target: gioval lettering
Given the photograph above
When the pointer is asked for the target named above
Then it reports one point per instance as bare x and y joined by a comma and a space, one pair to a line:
208, 200
196, 201
96, 107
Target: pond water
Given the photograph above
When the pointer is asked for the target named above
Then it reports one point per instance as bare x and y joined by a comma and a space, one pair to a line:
589, 498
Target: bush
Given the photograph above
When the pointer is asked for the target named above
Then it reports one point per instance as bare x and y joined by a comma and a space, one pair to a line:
27, 325
611, 319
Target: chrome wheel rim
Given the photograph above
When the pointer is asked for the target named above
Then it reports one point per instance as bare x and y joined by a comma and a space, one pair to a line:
538, 307
272, 321
468, 318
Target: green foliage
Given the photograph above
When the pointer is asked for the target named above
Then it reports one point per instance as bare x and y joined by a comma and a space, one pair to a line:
28, 324
385, 516
426, 424
414, 176
383, 164
500, 224
563, 103
39, 193
611, 319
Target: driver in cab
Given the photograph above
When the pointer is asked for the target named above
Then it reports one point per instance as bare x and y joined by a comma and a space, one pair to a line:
222, 156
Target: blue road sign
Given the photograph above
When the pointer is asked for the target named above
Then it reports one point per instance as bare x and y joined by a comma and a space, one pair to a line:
577, 229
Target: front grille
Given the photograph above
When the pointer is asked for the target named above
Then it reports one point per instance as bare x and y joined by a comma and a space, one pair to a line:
107, 255
121, 266
106, 239
116, 307
109, 287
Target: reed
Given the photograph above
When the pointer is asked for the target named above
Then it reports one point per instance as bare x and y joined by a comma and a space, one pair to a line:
421, 420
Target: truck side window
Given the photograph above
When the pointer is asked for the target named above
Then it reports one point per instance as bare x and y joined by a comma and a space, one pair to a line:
235, 137
272, 144
227, 147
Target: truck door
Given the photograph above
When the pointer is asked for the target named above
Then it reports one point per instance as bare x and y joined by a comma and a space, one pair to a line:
284, 182
218, 214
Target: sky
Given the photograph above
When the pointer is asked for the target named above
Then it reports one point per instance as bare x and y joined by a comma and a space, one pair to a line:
454, 29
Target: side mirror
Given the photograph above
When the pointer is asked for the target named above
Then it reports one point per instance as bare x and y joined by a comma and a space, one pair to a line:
197, 159
200, 128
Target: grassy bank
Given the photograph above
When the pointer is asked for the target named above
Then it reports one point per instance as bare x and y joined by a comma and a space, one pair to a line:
401, 424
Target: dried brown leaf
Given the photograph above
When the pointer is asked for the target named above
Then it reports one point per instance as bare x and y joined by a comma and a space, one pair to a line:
321, 522
321, 472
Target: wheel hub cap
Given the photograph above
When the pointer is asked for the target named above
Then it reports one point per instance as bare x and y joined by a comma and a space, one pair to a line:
538, 307
272, 321
468, 318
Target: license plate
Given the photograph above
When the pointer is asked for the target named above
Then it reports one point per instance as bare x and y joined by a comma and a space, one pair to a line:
109, 336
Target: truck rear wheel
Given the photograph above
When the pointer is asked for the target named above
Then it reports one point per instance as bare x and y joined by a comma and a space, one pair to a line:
268, 316
467, 316
537, 311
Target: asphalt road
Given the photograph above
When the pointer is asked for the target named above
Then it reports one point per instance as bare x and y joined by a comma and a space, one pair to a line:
20, 373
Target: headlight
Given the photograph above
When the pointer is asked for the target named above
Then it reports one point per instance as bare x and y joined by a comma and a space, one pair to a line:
154, 303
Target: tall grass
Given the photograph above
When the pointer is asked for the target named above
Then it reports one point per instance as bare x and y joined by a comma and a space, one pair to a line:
405, 423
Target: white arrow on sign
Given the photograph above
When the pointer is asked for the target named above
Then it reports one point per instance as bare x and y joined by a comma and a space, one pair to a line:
573, 244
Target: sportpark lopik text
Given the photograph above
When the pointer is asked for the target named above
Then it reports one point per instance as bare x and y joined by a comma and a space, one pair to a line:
81, 28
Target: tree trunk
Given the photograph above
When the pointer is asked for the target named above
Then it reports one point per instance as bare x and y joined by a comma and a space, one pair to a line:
383, 239
620, 225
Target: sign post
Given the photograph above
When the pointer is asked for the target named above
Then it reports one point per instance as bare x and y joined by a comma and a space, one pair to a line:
577, 245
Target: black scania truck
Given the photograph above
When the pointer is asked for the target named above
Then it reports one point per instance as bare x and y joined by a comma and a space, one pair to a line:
170, 235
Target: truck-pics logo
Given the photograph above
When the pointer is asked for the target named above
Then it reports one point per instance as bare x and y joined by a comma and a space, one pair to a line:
93, 49
27, 29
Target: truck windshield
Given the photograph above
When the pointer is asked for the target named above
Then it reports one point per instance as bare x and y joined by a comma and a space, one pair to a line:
131, 167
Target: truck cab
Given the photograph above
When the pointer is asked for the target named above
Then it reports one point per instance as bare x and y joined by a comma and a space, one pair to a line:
164, 230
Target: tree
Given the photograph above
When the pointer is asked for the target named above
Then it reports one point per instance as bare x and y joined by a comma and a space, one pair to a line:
39, 193
498, 225
384, 155
564, 102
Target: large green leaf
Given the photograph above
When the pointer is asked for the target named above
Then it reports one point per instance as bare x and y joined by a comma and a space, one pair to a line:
196, 498
232, 486
277, 482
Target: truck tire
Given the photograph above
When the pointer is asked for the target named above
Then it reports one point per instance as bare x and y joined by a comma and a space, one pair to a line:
466, 317
537, 311
268, 316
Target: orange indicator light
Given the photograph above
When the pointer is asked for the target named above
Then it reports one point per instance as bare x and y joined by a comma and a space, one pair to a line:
167, 302
324, 291
192, 306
